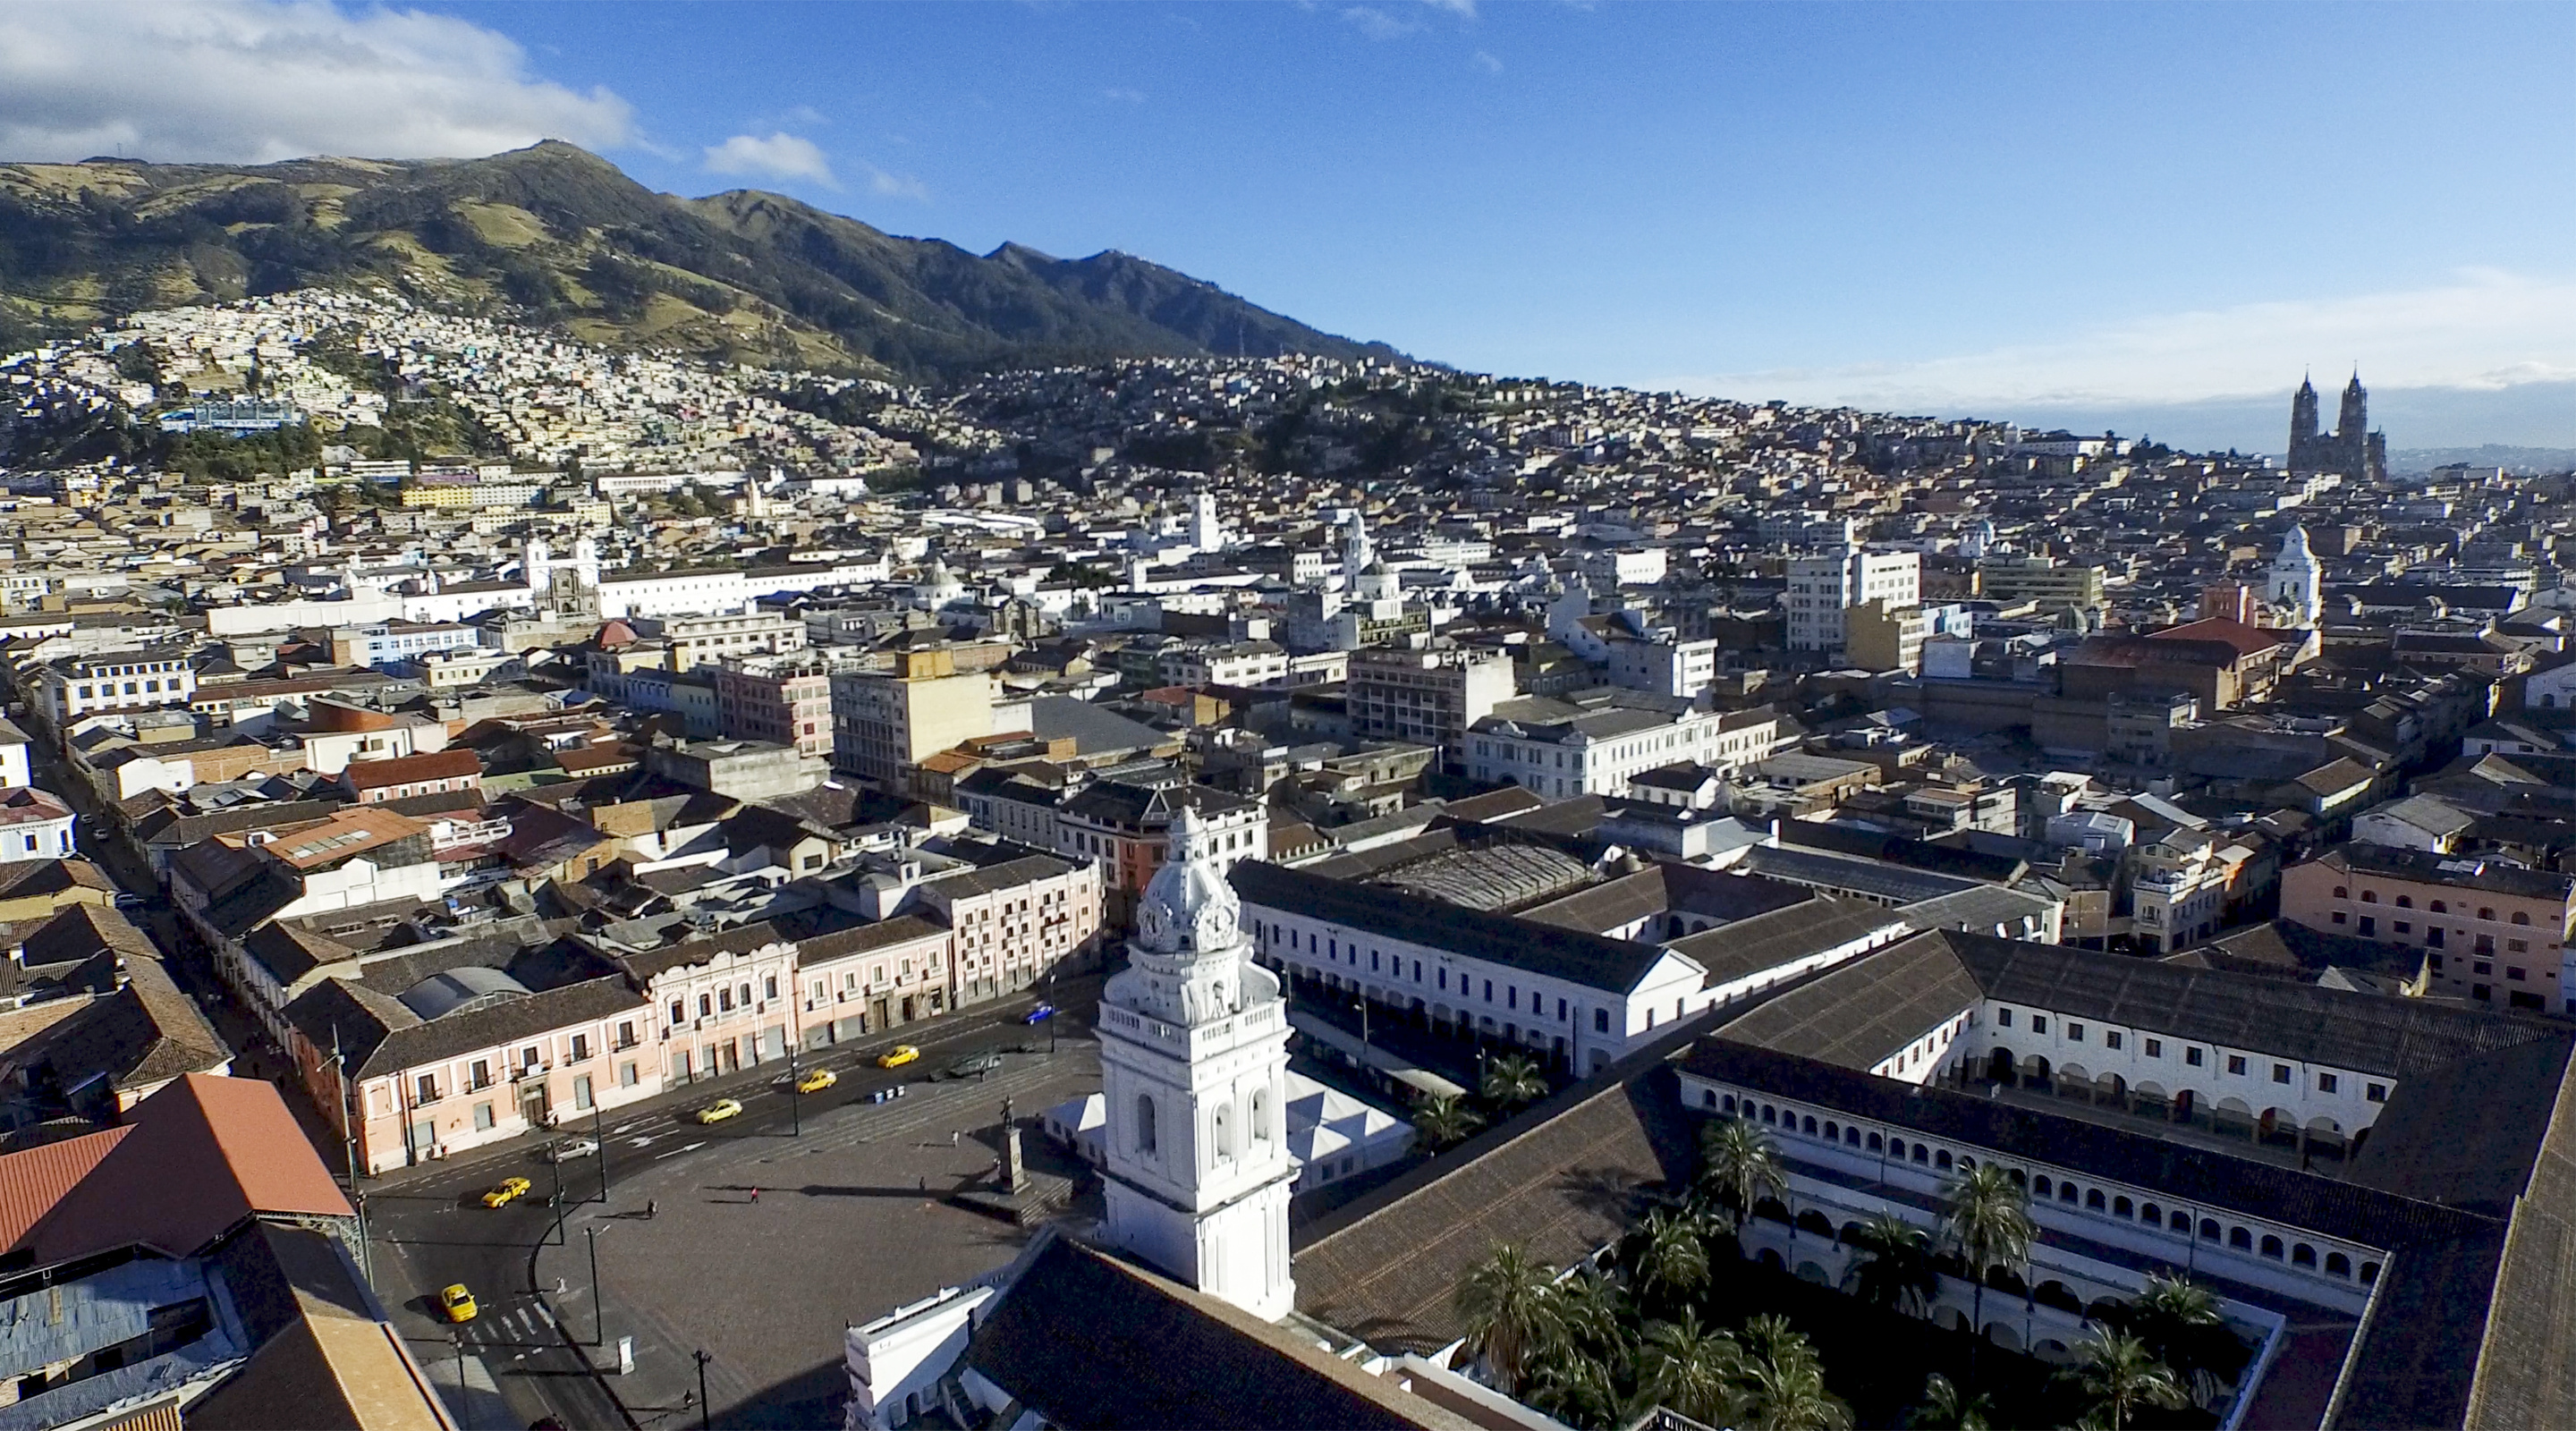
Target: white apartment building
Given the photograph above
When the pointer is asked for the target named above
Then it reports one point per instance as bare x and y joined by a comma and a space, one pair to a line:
1822, 588
1556, 749
2179, 891
1580, 1000
77, 686
696, 641
1429, 696
1235, 663
1666, 668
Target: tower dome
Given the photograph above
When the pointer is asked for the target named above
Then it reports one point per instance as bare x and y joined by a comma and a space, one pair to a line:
1188, 907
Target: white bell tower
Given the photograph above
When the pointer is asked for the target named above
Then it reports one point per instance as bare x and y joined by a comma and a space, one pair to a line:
2298, 578
1194, 1066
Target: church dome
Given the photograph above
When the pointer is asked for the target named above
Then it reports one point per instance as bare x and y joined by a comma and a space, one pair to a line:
1188, 906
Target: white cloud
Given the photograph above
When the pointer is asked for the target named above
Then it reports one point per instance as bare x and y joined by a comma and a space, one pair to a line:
1484, 60
895, 186
262, 80
780, 156
1465, 8
2487, 330
1124, 96
1379, 25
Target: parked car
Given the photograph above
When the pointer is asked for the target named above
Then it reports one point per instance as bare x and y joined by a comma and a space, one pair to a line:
566, 1149
975, 1065
816, 1080
720, 1110
125, 901
507, 1192
898, 1056
457, 1303
1038, 1015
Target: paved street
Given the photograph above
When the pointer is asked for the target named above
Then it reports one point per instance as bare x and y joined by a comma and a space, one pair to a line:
849, 1223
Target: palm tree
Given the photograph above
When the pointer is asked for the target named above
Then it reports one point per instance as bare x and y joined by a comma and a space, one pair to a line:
1896, 1271
1945, 1408
1666, 1259
2120, 1376
1578, 1377
1738, 1162
2179, 1321
1443, 1121
1988, 1219
1512, 1080
1579, 1390
1697, 1372
1509, 1305
1786, 1382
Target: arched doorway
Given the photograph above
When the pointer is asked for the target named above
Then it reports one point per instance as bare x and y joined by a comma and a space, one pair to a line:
1999, 1066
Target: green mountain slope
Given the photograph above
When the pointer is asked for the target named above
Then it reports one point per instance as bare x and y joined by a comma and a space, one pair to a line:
560, 236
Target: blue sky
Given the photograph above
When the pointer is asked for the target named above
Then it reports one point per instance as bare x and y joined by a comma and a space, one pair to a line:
2116, 212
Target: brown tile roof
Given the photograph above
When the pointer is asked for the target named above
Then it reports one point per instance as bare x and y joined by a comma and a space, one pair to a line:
1563, 1187
449, 764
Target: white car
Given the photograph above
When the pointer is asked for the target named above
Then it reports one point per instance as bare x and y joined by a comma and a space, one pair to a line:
570, 1148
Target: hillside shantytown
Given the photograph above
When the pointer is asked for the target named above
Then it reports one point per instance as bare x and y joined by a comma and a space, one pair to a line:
553, 881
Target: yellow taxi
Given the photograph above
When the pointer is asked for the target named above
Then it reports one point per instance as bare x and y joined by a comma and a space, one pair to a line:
510, 1191
457, 1303
898, 1056
720, 1110
816, 1080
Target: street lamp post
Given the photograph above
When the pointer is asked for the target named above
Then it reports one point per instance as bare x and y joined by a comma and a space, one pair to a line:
703, 1409
599, 1136
554, 1164
795, 1096
598, 1309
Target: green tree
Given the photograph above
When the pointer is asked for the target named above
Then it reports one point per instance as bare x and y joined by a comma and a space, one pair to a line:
1986, 1216
1738, 1162
1895, 1269
1509, 1305
1578, 1378
1785, 1381
1690, 1369
1945, 1408
1442, 1122
1667, 1259
1512, 1080
2119, 1376
2179, 1321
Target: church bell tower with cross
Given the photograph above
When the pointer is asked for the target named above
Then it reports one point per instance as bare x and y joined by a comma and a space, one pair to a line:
1194, 1068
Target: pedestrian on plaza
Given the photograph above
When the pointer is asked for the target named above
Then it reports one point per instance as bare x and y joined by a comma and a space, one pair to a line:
652, 1208
755, 1194
952, 1137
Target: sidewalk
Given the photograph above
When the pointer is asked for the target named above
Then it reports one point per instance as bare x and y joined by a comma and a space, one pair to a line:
926, 1035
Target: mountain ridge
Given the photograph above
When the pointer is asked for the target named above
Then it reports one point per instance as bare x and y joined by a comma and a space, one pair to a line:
559, 236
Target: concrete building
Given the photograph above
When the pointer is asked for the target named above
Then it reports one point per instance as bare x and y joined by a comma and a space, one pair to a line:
2054, 585
1664, 667
1558, 748
1428, 695
77, 686
1823, 588
742, 769
784, 700
1881, 637
2492, 932
885, 725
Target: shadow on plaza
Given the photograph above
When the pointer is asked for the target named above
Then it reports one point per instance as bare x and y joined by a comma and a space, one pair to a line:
813, 1397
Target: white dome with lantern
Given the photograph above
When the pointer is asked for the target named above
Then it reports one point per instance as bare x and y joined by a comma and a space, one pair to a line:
1188, 907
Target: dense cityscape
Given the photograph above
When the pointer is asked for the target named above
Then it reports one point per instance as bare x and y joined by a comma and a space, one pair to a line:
1274, 891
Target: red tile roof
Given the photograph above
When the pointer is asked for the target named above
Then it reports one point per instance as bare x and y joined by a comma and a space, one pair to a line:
197, 1157
32, 1182
2247, 640
406, 769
